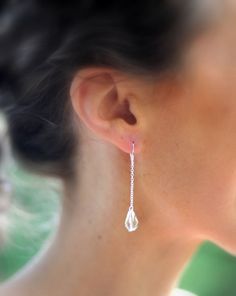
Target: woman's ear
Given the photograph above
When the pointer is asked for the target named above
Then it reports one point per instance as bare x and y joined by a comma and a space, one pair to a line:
106, 106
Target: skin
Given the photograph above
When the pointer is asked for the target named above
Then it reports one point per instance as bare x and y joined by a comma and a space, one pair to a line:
184, 128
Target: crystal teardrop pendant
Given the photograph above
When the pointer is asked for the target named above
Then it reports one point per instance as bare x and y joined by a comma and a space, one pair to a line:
131, 221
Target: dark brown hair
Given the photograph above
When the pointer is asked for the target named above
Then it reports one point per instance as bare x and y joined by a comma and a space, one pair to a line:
42, 45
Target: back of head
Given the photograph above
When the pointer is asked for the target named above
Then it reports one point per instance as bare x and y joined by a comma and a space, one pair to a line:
43, 43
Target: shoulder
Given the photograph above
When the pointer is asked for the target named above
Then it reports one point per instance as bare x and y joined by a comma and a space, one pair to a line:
181, 292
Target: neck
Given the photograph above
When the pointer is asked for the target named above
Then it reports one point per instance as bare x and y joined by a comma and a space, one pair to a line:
93, 254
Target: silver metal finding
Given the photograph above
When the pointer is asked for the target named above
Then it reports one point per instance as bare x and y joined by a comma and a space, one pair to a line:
131, 221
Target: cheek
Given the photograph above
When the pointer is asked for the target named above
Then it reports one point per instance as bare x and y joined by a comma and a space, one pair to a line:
211, 120
193, 143
202, 191
197, 163
195, 168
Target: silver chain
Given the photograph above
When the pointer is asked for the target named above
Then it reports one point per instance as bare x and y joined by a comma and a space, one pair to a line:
132, 177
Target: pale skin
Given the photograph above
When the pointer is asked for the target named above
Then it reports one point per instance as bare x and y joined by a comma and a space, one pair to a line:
184, 129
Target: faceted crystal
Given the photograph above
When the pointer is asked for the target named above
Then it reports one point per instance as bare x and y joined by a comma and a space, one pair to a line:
131, 221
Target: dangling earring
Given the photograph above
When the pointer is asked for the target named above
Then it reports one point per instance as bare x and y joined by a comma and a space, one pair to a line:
131, 221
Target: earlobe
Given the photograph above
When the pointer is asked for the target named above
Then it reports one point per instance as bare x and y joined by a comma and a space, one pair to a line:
103, 107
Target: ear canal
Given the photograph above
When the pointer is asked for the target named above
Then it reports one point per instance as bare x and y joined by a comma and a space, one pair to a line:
127, 114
